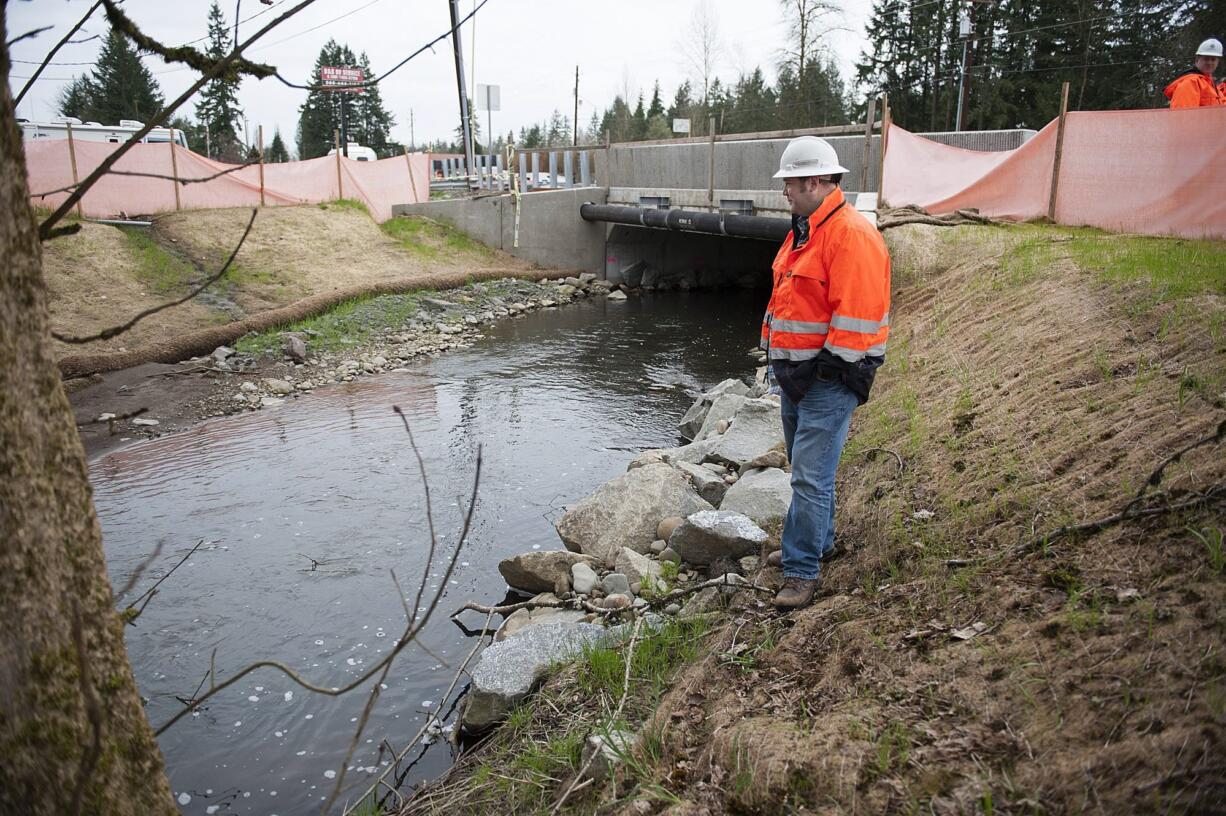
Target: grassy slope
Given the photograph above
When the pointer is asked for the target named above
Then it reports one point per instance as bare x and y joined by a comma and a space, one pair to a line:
105, 273
1036, 377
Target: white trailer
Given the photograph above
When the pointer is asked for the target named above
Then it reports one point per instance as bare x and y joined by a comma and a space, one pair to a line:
97, 132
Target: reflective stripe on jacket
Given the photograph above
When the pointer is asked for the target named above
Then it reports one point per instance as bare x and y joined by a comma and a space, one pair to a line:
833, 293
1193, 89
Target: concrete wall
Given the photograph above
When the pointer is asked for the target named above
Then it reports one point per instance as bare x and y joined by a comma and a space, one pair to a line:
749, 165
667, 260
551, 233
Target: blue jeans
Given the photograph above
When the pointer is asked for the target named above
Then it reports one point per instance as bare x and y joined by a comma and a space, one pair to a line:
814, 430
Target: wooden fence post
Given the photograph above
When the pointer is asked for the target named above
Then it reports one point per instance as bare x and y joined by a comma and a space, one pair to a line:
412, 182
336, 139
885, 143
72, 158
174, 169
261, 137
1055, 166
868, 142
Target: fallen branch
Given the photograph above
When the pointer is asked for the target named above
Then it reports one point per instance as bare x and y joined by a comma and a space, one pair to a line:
1155, 478
111, 420
131, 613
114, 331
913, 214
901, 466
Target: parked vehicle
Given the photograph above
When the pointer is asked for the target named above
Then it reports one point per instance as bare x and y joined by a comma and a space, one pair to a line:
358, 152
97, 132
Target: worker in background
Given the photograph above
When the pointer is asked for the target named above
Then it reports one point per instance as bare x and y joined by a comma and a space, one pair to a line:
1194, 88
824, 334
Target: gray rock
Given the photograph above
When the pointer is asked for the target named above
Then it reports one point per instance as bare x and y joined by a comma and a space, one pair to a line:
616, 601
672, 609
616, 583
647, 457
294, 348
667, 526
722, 410
756, 429
658, 546
539, 570
378, 361
711, 534
763, 495
670, 555
617, 295
638, 568
248, 387
626, 511
507, 672
692, 422
521, 619
583, 577
586, 277
222, 353
710, 486
731, 582
701, 601
770, 459
276, 386
602, 753
749, 564
695, 453
271, 402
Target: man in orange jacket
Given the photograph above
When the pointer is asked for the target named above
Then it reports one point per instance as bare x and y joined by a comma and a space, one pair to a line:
1194, 88
825, 334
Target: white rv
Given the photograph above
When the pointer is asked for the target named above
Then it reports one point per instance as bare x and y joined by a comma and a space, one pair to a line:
358, 152
95, 132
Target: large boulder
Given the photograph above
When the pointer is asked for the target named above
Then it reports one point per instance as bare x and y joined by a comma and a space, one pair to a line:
709, 484
756, 429
626, 511
694, 453
539, 571
714, 534
724, 408
507, 672
763, 495
692, 422
637, 568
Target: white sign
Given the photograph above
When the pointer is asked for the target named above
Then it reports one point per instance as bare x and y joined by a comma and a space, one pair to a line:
333, 76
681, 126
489, 97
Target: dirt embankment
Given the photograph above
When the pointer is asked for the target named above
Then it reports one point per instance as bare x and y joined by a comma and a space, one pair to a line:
954, 662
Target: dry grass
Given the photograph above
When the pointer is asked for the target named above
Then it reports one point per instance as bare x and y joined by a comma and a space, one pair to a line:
1023, 391
102, 275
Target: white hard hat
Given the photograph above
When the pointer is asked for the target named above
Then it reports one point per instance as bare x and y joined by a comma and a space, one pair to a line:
1210, 48
808, 156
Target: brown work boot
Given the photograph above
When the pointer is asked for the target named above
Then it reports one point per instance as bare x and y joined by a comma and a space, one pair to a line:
775, 559
797, 592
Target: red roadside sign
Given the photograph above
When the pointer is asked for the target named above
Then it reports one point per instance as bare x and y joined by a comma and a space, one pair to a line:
335, 76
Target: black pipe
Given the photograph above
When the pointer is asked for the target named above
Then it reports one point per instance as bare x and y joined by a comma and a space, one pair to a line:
730, 224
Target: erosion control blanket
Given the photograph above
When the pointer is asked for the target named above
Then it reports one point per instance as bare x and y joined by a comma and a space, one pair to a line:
1154, 172
378, 184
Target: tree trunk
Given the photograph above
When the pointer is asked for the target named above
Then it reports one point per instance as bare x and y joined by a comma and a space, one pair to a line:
73, 734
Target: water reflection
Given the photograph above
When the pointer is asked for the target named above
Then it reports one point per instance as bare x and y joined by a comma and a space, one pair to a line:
556, 400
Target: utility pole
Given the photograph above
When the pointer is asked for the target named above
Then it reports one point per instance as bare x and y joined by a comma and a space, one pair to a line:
575, 128
466, 123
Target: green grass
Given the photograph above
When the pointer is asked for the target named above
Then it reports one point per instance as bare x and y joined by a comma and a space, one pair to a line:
431, 240
1174, 269
157, 268
657, 653
346, 204
349, 324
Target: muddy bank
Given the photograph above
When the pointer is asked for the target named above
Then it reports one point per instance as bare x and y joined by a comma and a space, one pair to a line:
265, 370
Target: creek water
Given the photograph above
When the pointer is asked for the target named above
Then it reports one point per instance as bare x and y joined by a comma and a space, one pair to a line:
306, 508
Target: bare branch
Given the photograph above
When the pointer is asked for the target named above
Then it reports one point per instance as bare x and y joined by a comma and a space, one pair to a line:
335, 691
216, 69
421, 466
51, 54
113, 331
138, 174
140, 569
233, 68
131, 613
29, 35
110, 421
1155, 478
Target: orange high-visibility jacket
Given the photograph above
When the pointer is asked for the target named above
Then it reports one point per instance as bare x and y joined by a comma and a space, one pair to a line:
1194, 90
834, 292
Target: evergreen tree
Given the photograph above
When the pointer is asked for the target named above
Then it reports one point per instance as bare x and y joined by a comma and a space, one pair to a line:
276, 151
121, 87
558, 133
319, 117
638, 125
531, 137
657, 105
218, 109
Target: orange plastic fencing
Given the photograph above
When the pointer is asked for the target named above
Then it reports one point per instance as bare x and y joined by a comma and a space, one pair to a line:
378, 184
1153, 172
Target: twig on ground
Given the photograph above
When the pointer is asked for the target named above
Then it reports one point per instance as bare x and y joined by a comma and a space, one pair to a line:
575, 783
901, 466
1155, 478
107, 334
110, 421
912, 214
51, 54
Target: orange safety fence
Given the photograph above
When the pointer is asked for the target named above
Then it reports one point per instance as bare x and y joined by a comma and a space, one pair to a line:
1153, 172
379, 184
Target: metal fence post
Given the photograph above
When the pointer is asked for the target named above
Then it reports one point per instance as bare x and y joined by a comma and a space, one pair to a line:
568, 164
585, 168
553, 170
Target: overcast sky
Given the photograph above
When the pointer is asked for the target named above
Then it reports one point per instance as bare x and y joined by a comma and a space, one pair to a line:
529, 48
